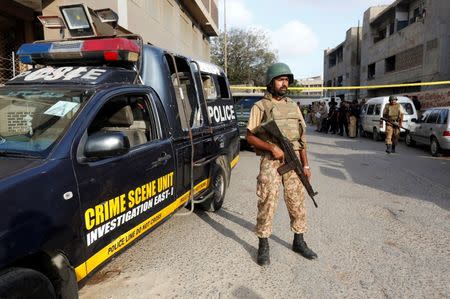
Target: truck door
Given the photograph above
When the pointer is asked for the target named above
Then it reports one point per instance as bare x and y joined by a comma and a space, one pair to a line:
190, 152
123, 196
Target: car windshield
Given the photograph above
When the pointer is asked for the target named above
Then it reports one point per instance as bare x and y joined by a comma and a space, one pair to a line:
407, 107
32, 120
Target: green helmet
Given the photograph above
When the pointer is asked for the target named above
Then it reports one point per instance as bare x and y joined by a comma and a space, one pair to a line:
392, 98
278, 69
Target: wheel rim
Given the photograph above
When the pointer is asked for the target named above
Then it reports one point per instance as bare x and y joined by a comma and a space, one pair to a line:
433, 147
219, 188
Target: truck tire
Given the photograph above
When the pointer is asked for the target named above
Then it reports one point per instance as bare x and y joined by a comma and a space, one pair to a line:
219, 184
25, 283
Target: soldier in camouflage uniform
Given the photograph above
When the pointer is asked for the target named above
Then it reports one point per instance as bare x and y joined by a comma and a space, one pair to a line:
276, 106
394, 113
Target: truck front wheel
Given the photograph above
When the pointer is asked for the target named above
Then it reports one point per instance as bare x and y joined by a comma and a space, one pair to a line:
25, 283
219, 184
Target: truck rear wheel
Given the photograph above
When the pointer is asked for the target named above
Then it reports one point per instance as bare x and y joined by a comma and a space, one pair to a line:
25, 283
219, 184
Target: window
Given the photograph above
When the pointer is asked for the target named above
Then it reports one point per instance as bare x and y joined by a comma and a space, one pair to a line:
377, 109
364, 109
209, 87
370, 109
389, 64
433, 117
188, 103
129, 114
332, 60
443, 117
380, 35
223, 87
407, 108
391, 27
33, 120
424, 116
340, 81
371, 71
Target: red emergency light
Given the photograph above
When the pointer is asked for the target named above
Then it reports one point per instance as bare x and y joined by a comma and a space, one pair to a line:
89, 51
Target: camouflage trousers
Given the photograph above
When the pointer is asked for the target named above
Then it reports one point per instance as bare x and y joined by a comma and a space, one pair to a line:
392, 135
267, 189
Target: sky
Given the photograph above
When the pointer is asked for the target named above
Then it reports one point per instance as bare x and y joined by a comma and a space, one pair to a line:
299, 30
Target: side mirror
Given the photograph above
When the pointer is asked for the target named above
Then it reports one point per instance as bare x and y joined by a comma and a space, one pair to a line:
106, 144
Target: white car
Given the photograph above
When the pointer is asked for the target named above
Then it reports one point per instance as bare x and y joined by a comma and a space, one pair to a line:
432, 129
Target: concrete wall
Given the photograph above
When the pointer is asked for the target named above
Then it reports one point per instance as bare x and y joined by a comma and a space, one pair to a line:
160, 22
421, 49
349, 67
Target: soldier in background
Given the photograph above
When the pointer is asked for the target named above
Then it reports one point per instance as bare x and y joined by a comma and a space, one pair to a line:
276, 106
394, 113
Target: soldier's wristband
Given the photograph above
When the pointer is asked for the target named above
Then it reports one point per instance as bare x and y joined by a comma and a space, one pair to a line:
306, 167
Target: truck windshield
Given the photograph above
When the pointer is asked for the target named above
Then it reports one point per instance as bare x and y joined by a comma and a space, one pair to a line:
32, 120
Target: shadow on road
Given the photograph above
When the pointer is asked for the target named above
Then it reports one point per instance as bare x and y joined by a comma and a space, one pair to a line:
230, 216
406, 173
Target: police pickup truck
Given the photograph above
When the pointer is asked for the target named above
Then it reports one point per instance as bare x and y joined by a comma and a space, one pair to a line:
98, 146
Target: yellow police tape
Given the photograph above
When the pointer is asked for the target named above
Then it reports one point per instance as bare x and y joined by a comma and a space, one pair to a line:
350, 87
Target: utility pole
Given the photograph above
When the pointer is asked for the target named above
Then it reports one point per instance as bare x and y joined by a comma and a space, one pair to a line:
225, 36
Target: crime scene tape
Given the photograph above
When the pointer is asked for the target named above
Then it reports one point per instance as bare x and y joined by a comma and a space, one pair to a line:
350, 87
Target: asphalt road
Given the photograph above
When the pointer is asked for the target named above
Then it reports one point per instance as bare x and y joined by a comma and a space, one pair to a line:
382, 230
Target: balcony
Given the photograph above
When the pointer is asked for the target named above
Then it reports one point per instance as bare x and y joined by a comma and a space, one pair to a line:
205, 13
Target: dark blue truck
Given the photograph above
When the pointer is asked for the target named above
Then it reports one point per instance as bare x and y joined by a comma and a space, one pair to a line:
98, 146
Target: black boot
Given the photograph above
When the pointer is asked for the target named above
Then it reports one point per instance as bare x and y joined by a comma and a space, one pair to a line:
388, 148
263, 252
300, 246
393, 148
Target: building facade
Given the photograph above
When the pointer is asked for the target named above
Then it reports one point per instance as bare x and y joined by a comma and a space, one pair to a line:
405, 42
342, 65
311, 82
181, 26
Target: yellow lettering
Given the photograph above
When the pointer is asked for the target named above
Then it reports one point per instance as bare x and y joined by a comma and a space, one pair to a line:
89, 218
99, 217
144, 193
153, 188
131, 199
122, 203
114, 207
138, 193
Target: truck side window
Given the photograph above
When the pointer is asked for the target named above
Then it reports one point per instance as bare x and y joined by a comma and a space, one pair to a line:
189, 109
224, 94
209, 87
370, 110
129, 114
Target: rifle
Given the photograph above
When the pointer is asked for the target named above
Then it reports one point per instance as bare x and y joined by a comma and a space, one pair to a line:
394, 125
291, 160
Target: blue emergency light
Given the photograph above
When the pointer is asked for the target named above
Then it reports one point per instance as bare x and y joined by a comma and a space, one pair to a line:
104, 50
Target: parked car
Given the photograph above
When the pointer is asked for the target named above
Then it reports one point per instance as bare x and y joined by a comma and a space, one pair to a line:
432, 129
372, 111
243, 104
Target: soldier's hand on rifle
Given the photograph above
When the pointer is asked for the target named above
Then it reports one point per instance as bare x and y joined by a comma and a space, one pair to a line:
277, 153
307, 172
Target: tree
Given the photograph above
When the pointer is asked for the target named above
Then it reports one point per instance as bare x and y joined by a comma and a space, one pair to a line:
248, 55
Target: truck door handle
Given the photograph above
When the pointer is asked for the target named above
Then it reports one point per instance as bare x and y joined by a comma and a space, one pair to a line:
162, 160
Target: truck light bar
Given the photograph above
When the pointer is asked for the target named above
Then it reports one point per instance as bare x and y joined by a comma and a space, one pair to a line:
80, 51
